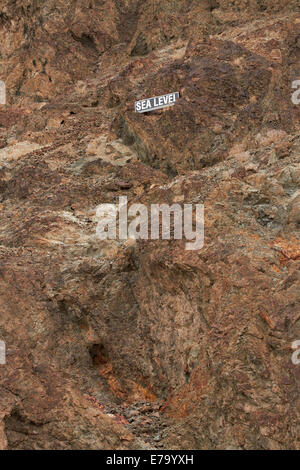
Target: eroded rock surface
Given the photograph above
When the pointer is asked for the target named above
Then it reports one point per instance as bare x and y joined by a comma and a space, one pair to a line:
143, 344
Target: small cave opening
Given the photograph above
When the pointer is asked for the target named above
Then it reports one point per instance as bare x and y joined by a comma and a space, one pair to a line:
98, 354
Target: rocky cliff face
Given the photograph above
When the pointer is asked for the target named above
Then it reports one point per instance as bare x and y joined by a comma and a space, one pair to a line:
143, 344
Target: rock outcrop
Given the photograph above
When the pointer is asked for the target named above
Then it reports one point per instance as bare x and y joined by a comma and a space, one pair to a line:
141, 344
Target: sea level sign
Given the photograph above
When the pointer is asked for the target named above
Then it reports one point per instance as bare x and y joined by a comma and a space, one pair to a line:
158, 102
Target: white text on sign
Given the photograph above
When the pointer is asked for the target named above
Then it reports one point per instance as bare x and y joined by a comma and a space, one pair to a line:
157, 102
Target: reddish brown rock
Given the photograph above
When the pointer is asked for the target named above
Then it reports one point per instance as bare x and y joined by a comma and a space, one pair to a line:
143, 344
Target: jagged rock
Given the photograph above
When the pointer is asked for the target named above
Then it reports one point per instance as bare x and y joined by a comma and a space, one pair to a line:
197, 343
